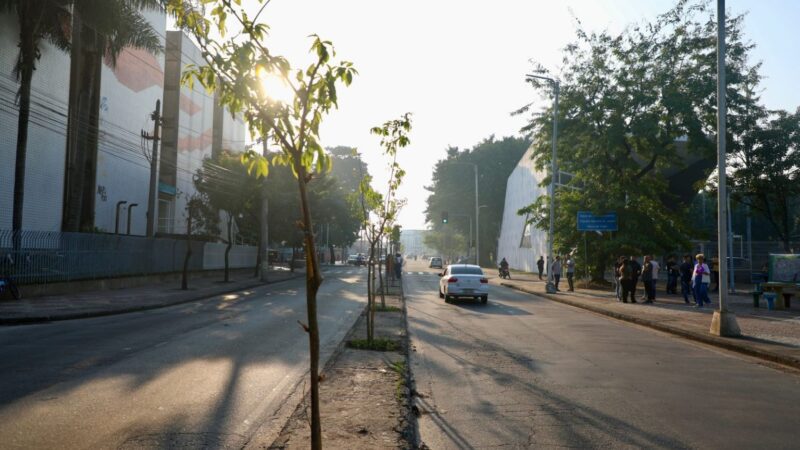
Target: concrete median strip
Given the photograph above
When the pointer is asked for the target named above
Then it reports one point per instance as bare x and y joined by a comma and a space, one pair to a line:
739, 345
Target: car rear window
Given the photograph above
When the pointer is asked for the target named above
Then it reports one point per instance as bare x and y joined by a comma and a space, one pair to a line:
466, 270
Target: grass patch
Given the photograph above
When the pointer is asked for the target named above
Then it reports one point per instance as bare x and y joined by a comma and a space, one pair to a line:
399, 368
381, 345
387, 308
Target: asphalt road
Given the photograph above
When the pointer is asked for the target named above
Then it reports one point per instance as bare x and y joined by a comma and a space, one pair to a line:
209, 374
526, 372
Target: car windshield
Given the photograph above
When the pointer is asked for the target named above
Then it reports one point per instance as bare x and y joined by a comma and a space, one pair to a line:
466, 270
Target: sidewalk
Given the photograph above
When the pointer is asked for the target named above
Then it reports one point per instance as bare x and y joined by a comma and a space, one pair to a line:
119, 301
770, 335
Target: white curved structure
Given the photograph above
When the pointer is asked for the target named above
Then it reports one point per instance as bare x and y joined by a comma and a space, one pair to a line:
519, 243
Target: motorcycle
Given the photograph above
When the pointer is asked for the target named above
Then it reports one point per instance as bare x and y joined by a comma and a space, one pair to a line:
504, 273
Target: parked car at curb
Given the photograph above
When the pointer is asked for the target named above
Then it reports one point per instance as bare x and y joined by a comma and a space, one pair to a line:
463, 281
435, 263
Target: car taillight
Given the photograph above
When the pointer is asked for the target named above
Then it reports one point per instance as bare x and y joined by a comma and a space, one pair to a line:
452, 280
484, 280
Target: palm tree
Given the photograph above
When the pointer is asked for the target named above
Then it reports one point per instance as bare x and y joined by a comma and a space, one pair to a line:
102, 29
116, 24
39, 20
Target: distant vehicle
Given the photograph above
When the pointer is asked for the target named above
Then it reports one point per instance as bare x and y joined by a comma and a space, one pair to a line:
355, 260
435, 263
463, 281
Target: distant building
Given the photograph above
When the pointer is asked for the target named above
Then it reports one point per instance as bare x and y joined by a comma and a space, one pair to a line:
413, 242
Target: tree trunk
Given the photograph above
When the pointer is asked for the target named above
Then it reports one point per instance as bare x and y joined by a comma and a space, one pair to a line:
82, 128
27, 48
228, 247
333, 254
313, 282
258, 257
291, 261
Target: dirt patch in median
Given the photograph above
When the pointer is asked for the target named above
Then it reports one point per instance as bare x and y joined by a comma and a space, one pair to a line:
363, 398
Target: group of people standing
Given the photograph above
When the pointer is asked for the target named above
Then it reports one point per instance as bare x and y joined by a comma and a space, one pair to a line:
694, 276
556, 269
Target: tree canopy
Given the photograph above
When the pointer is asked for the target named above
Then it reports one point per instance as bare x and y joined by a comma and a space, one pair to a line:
636, 107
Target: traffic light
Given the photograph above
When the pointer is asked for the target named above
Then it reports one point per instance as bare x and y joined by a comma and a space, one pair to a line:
444, 217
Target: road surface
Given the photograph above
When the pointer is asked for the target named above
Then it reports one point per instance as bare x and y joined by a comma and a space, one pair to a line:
209, 374
526, 372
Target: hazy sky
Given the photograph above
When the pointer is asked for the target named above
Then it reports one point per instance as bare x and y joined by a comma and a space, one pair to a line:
459, 66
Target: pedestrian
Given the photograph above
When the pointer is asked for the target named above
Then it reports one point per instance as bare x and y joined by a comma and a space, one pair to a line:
555, 269
685, 271
672, 276
715, 273
626, 279
617, 283
398, 265
656, 269
637, 272
701, 278
647, 279
571, 273
540, 266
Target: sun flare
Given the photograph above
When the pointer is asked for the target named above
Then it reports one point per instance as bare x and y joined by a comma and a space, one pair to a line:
274, 86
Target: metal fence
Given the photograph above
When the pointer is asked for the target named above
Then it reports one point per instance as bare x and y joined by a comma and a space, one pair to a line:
47, 257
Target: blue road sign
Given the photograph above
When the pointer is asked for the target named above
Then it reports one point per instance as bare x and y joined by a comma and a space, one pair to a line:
590, 222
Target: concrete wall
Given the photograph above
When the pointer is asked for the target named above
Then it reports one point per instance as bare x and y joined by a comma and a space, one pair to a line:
241, 256
519, 243
44, 179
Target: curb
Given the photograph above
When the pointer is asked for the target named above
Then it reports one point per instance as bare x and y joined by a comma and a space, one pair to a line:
730, 344
134, 308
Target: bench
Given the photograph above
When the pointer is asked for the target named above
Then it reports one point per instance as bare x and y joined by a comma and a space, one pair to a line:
784, 292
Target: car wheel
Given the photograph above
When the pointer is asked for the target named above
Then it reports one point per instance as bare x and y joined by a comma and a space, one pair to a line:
485, 299
440, 294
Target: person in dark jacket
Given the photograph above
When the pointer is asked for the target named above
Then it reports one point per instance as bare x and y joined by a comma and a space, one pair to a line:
672, 276
626, 271
540, 266
637, 272
685, 270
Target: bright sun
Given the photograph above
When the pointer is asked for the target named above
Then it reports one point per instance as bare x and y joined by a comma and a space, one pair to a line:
275, 87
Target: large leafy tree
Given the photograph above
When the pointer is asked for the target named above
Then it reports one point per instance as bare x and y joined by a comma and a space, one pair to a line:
115, 24
239, 67
633, 107
453, 191
766, 170
223, 184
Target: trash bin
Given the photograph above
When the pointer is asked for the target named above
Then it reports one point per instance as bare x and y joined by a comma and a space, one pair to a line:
770, 297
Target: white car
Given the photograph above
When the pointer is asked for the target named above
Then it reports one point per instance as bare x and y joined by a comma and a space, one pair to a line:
463, 281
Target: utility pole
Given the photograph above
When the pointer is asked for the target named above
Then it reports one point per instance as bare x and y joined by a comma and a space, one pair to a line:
152, 198
724, 322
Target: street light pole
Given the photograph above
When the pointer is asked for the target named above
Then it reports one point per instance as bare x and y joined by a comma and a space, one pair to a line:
724, 322
477, 221
550, 287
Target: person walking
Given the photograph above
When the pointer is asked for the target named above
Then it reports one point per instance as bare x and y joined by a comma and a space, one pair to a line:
540, 266
398, 265
685, 271
701, 278
626, 279
647, 279
637, 272
555, 269
571, 273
